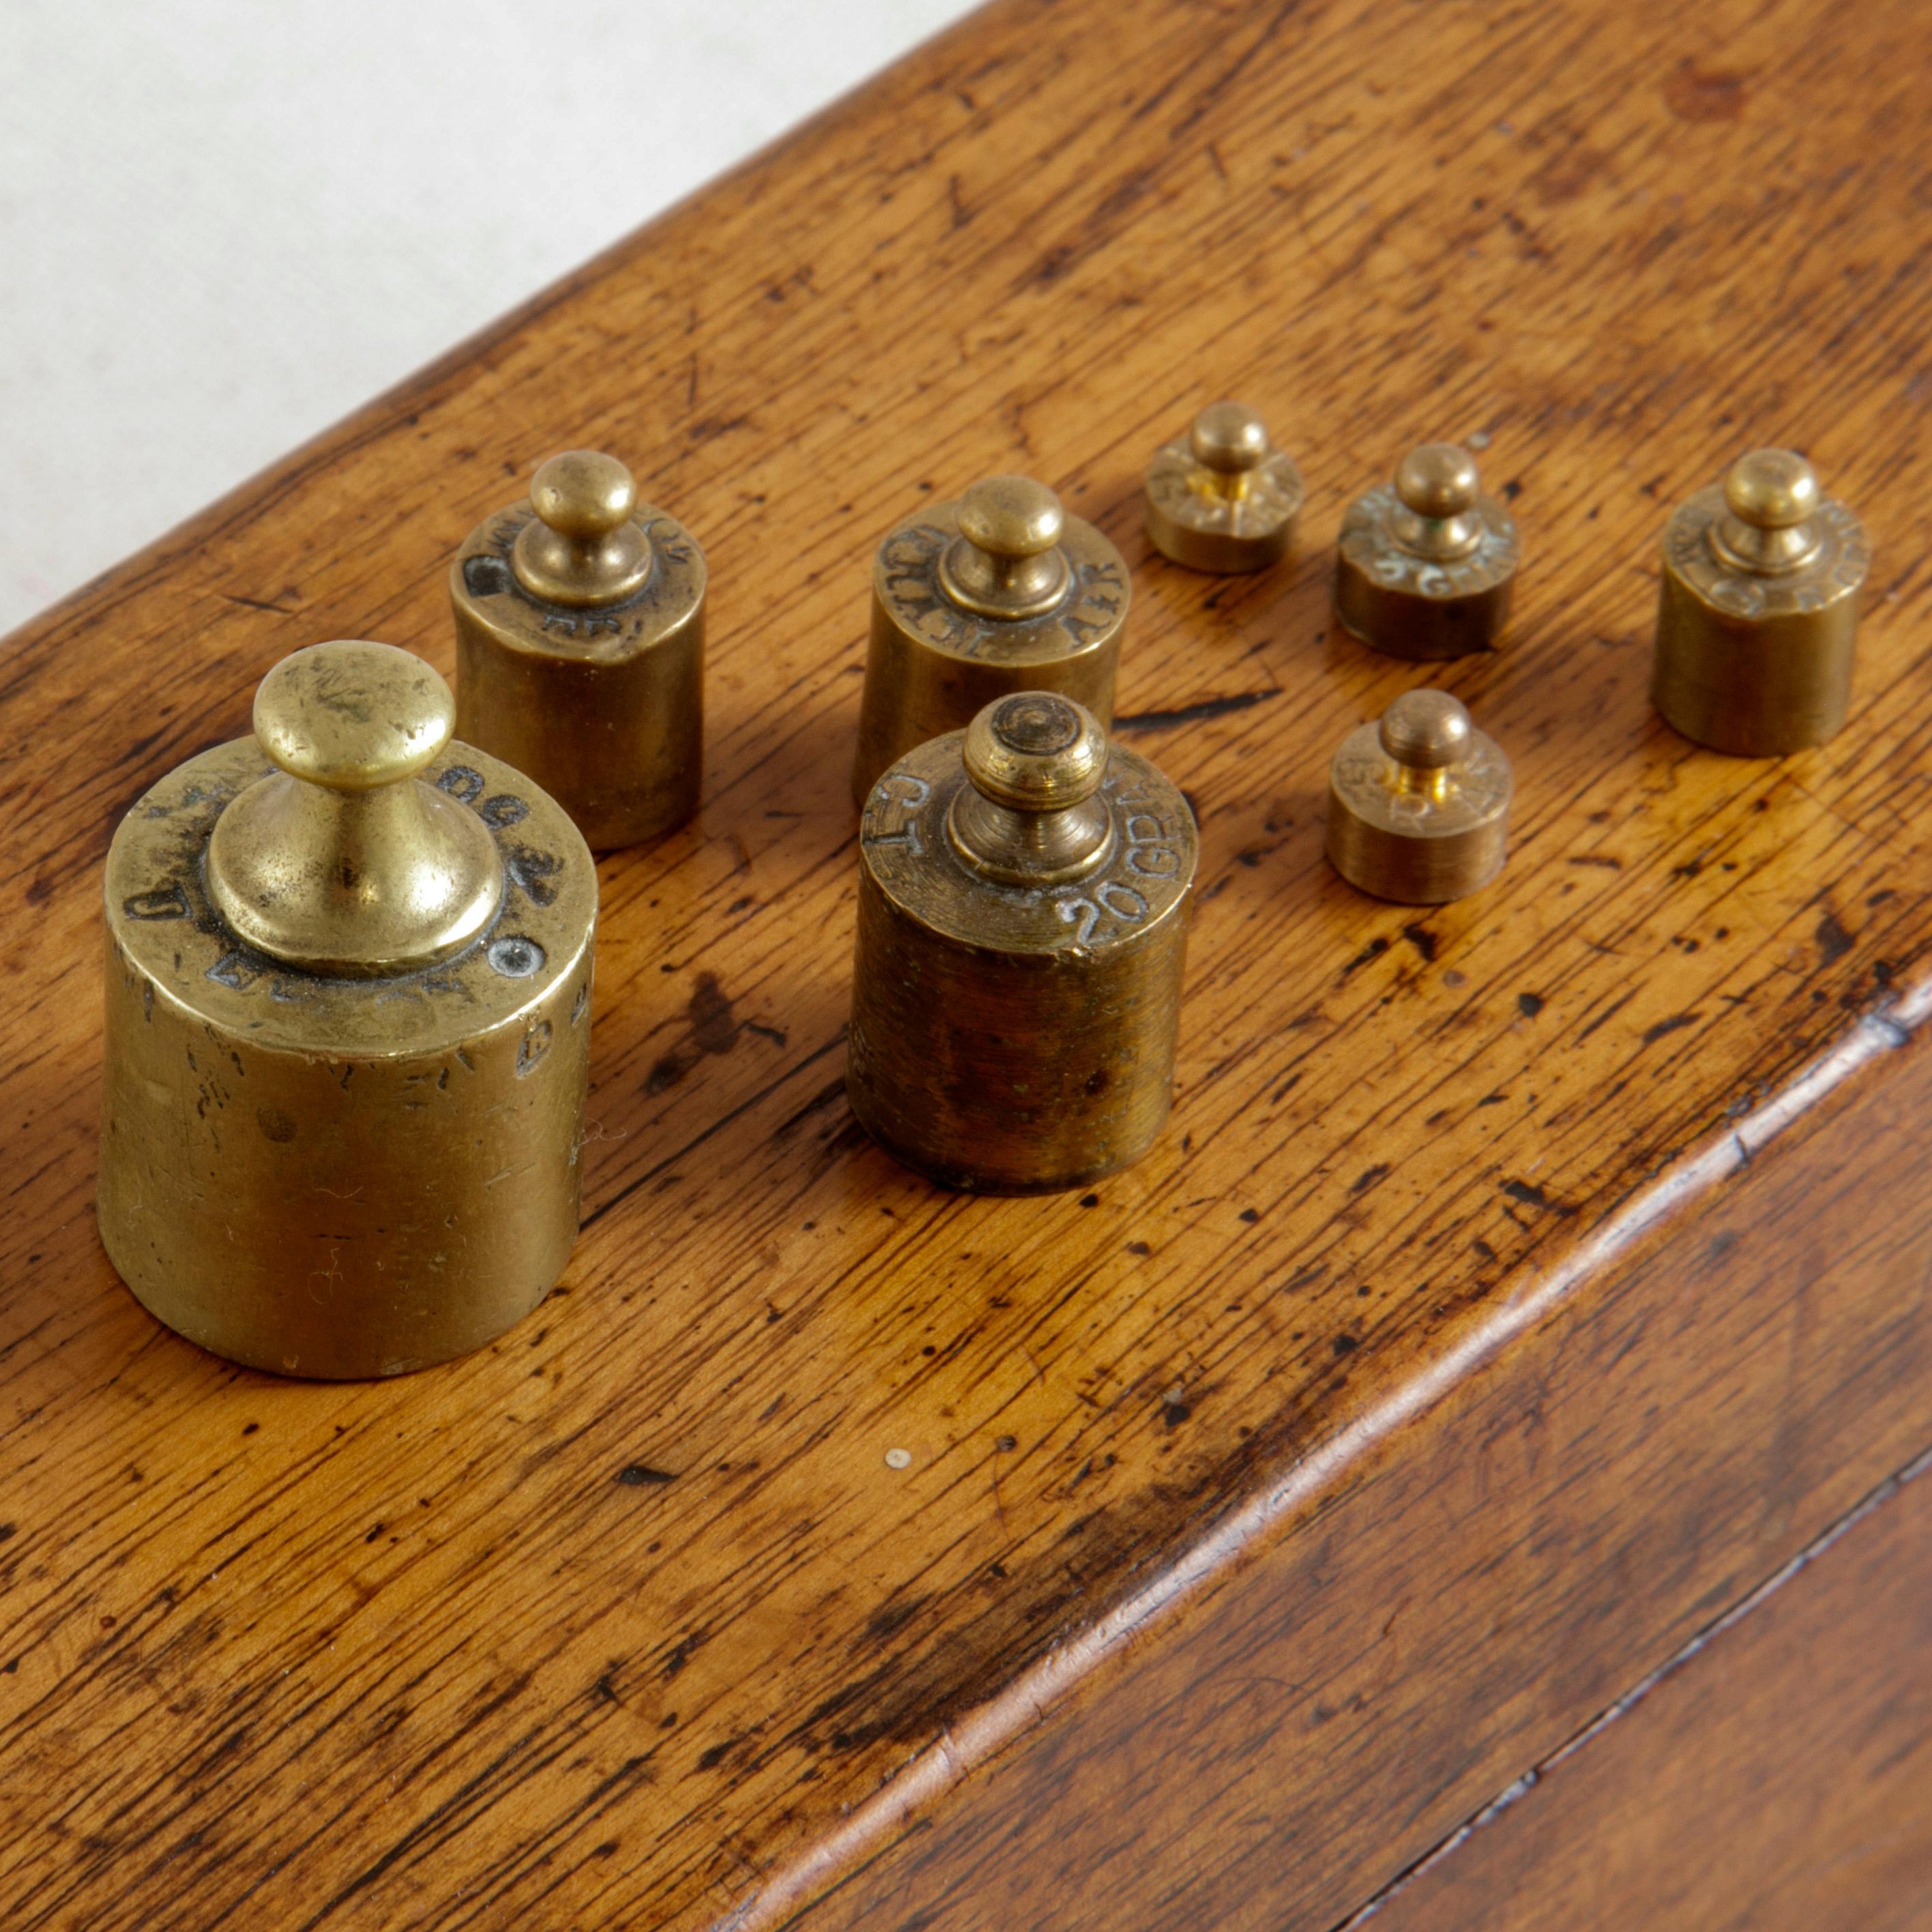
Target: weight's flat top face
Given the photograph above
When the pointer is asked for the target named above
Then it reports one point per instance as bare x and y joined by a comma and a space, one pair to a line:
1274, 492
482, 582
1839, 566
158, 904
1364, 774
1368, 541
906, 577
1143, 882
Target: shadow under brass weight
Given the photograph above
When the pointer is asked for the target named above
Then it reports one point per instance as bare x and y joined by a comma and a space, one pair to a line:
1418, 803
1758, 610
1001, 592
347, 1031
579, 648
1024, 892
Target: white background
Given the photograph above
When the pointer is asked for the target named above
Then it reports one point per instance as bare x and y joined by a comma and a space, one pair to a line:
224, 223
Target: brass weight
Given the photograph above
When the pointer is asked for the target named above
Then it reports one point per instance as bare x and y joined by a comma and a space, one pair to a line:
579, 648
1758, 612
347, 1031
1001, 592
1425, 566
1223, 498
1024, 892
1418, 803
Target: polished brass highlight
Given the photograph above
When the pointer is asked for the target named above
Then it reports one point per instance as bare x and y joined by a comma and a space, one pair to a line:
1223, 498
1425, 566
1758, 612
347, 1031
579, 648
1418, 804
1023, 893
1001, 592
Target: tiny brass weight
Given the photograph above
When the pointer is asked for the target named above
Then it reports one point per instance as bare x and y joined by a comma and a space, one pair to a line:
1024, 892
1425, 566
1223, 498
1001, 592
1418, 803
579, 648
347, 1031
1758, 612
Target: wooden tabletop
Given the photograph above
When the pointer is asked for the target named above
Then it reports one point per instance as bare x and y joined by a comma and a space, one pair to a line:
1518, 1285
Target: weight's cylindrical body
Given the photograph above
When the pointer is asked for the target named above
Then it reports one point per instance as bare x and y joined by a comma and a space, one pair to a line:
342, 1175
1009, 1038
600, 702
932, 663
1752, 661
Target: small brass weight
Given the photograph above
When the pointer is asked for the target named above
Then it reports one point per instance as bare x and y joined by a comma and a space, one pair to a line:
1223, 498
1418, 803
1001, 592
348, 1031
1024, 891
1758, 612
579, 648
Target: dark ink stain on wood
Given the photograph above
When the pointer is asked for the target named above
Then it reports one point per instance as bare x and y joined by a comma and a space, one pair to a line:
1367, 1178
1090, 1200
1695, 93
1345, 1345
1834, 941
1423, 940
1174, 1414
714, 1029
714, 1755
1194, 713
1374, 949
1529, 1004
1532, 1196
639, 1475
1251, 1215
1139, 1248
1676, 1024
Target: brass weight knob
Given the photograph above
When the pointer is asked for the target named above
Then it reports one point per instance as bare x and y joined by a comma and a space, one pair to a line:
1425, 565
344, 861
579, 648
1002, 591
347, 1030
1758, 610
1418, 803
1223, 498
1024, 892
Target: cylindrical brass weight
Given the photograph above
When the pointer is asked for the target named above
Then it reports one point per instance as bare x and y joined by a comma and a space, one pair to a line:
1758, 614
1418, 803
347, 1031
1024, 891
1223, 498
579, 648
1001, 592
1424, 567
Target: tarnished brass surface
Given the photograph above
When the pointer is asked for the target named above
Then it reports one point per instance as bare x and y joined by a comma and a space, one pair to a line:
1425, 565
1001, 592
1418, 803
1758, 611
347, 1031
579, 648
1024, 892
1223, 498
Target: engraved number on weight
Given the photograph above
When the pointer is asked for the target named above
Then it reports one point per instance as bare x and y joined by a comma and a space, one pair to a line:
163, 902
1123, 902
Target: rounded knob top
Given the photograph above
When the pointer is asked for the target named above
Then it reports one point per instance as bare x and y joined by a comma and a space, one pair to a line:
1228, 438
1011, 517
1438, 481
1035, 751
583, 494
1425, 730
351, 716
1771, 490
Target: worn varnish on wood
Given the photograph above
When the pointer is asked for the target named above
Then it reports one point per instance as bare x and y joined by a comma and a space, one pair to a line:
1518, 1285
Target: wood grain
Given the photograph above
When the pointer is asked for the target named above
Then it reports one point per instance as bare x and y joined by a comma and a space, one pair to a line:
1774, 1778
1518, 1284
